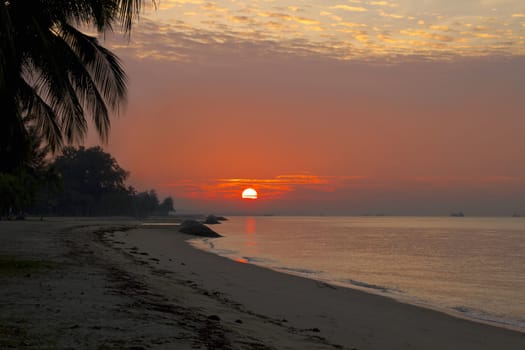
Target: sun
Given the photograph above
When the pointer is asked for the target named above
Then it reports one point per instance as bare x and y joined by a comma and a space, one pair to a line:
249, 193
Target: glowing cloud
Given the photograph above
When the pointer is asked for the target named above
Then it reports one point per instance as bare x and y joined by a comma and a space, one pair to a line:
320, 28
272, 188
349, 8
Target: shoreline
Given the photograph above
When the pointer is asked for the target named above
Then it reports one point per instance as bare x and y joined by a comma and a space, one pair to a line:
492, 298
293, 286
377, 291
109, 286
463, 312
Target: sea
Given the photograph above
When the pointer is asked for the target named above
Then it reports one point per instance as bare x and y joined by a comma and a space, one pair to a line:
472, 267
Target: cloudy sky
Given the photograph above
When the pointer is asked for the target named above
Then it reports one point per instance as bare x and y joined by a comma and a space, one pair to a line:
409, 107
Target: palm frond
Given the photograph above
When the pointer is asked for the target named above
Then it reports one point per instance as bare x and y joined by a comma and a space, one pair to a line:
53, 84
86, 89
128, 10
42, 115
54, 73
102, 13
104, 66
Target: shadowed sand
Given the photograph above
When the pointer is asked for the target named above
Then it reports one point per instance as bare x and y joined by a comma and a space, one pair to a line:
147, 288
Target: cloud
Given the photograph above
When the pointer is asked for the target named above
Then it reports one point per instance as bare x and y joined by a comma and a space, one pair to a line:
284, 187
383, 3
349, 8
452, 182
486, 35
427, 35
170, 4
270, 188
332, 30
442, 28
391, 15
287, 17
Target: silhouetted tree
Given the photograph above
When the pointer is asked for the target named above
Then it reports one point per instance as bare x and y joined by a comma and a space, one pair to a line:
146, 203
21, 186
57, 75
166, 206
93, 184
87, 176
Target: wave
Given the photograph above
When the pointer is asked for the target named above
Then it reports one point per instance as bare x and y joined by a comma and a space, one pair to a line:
368, 285
298, 270
252, 259
207, 244
483, 316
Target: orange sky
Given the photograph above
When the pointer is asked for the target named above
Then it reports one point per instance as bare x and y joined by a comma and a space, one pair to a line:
436, 129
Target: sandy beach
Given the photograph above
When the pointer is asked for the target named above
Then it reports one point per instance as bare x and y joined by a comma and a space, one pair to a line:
113, 284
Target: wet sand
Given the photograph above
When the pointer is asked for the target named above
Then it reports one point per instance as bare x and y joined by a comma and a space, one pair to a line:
146, 288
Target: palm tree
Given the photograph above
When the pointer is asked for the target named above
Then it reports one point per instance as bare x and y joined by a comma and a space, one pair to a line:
56, 76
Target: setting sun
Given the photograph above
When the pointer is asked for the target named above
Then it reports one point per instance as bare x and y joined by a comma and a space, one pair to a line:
249, 193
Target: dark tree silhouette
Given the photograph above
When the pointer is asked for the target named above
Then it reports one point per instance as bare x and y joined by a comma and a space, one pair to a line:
166, 206
55, 74
20, 187
88, 175
94, 184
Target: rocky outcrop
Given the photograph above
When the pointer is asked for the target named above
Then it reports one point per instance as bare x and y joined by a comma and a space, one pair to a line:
211, 220
214, 219
196, 228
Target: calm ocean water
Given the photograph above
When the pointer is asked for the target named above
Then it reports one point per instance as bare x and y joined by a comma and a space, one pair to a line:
474, 267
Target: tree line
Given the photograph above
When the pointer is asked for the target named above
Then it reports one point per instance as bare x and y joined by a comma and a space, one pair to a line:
79, 182
54, 79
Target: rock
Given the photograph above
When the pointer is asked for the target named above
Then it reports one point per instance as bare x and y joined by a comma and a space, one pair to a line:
196, 228
214, 318
211, 220
214, 219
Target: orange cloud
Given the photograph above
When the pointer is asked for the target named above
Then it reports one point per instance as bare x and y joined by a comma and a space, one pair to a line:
455, 182
271, 188
349, 8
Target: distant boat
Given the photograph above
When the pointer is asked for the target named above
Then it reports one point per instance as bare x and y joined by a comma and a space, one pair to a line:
459, 214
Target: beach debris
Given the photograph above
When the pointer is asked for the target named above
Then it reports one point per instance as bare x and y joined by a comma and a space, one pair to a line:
196, 228
325, 285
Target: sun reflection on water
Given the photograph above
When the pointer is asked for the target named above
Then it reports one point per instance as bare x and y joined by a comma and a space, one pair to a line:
250, 236
251, 226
